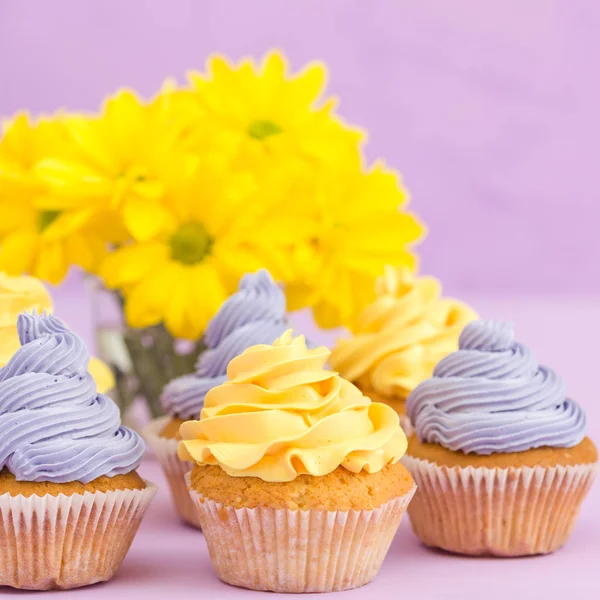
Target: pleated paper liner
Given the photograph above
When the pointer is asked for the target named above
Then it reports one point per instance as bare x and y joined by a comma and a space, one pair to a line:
498, 512
63, 542
406, 425
174, 469
298, 551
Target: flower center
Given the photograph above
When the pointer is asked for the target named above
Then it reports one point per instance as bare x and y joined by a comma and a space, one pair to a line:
259, 130
46, 218
133, 175
190, 244
315, 243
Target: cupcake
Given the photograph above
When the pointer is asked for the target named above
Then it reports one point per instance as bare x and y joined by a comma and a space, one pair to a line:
25, 293
297, 483
400, 337
70, 497
255, 314
500, 454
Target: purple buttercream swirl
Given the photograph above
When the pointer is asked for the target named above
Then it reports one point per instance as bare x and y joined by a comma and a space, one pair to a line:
54, 426
492, 396
255, 314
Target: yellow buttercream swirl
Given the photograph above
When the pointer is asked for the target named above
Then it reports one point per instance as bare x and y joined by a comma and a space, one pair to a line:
402, 335
282, 414
25, 293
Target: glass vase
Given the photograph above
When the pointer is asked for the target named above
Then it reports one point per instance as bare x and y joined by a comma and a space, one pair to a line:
142, 360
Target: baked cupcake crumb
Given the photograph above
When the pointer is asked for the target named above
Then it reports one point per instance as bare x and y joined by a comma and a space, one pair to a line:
584, 453
339, 490
9, 484
171, 429
398, 403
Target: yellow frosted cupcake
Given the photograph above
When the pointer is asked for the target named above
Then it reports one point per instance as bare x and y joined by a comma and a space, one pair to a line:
400, 337
25, 293
255, 314
297, 481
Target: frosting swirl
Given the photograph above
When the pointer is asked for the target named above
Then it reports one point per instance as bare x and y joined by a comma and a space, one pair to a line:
25, 293
255, 314
400, 337
492, 396
282, 414
53, 424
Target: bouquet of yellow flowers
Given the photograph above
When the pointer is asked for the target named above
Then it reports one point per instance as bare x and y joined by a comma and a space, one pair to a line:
170, 201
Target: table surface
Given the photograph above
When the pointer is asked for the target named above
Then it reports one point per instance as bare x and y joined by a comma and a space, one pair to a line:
169, 559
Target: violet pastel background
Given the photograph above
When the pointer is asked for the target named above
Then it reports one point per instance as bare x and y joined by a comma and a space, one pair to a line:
489, 109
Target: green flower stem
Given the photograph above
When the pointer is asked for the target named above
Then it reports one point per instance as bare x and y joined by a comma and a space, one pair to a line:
123, 393
154, 362
148, 375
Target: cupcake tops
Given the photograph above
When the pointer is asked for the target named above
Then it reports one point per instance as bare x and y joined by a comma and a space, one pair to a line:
492, 396
25, 293
54, 426
400, 337
255, 314
282, 414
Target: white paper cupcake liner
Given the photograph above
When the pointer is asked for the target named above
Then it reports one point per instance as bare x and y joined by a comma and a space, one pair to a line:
500, 512
63, 542
298, 551
406, 425
175, 469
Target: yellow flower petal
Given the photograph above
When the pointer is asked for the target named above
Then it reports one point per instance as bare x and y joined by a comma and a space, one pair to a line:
328, 315
195, 301
16, 213
299, 295
144, 218
66, 223
147, 302
385, 234
93, 143
179, 319
50, 263
73, 183
18, 251
132, 264
85, 250
103, 376
308, 85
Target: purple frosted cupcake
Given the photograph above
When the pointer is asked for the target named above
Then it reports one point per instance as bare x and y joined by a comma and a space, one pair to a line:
255, 314
500, 454
70, 497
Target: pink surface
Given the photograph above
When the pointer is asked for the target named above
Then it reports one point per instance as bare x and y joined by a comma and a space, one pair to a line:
170, 560
490, 109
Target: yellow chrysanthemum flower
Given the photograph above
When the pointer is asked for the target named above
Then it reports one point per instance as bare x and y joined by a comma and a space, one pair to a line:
262, 115
34, 238
182, 276
356, 228
247, 167
119, 163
